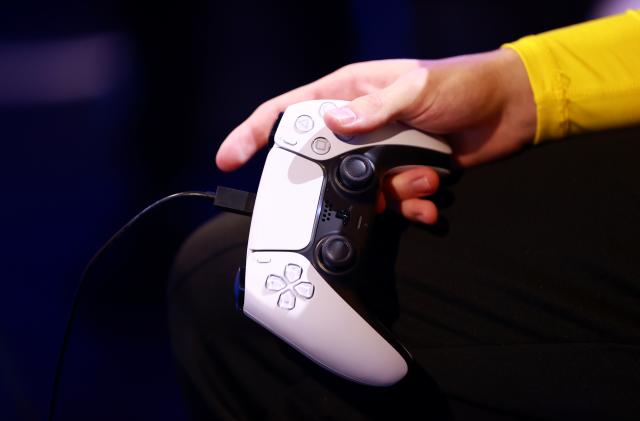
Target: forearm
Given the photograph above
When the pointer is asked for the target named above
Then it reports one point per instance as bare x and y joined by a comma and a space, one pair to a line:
584, 77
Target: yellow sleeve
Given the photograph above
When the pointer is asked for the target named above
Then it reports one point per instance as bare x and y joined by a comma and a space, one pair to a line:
584, 77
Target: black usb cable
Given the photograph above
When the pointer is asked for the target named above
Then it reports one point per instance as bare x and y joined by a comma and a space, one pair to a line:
225, 198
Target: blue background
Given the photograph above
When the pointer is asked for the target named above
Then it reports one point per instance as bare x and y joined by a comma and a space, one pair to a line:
106, 106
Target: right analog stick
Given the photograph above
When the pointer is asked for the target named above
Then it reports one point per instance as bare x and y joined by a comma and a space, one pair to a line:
355, 172
337, 253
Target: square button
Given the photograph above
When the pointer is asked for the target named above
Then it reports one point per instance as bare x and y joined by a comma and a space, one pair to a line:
320, 145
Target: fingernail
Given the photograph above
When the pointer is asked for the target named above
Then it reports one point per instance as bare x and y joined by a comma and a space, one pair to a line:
421, 185
344, 116
421, 217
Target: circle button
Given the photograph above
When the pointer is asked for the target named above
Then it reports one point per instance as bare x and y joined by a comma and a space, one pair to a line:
304, 123
321, 145
344, 137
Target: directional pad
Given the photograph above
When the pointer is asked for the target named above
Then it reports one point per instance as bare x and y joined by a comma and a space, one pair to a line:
305, 289
287, 300
275, 283
290, 285
292, 272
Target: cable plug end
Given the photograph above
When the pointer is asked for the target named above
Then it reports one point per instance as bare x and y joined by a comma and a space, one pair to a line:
236, 201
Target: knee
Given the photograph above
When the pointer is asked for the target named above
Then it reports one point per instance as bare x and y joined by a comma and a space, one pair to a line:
200, 288
224, 234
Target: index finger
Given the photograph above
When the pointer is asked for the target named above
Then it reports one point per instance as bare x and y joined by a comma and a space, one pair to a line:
245, 140
347, 83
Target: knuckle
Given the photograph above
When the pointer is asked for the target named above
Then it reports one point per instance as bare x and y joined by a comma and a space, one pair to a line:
264, 107
415, 89
417, 79
432, 177
371, 105
348, 75
373, 100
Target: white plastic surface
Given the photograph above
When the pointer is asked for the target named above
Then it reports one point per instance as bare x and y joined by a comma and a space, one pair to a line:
286, 203
291, 139
306, 312
324, 327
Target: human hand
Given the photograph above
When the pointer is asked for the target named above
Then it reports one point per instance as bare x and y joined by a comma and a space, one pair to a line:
481, 103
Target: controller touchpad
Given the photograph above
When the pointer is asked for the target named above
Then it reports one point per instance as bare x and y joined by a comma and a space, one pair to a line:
286, 204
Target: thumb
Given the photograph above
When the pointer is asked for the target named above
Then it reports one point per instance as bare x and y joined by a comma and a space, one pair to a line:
395, 102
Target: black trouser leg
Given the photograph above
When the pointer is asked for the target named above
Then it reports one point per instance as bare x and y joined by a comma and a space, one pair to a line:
234, 369
502, 342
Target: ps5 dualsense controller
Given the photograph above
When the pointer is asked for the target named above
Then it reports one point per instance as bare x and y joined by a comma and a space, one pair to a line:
312, 218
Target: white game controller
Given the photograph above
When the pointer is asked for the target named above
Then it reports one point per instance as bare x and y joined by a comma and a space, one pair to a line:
313, 215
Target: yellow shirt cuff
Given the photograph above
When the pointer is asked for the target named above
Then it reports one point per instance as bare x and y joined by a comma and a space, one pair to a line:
584, 77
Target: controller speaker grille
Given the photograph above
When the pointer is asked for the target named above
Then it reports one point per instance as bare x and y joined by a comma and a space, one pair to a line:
327, 211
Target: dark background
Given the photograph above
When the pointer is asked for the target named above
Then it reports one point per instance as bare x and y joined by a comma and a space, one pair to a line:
106, 106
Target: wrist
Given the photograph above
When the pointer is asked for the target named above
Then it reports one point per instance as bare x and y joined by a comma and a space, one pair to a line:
519, 107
